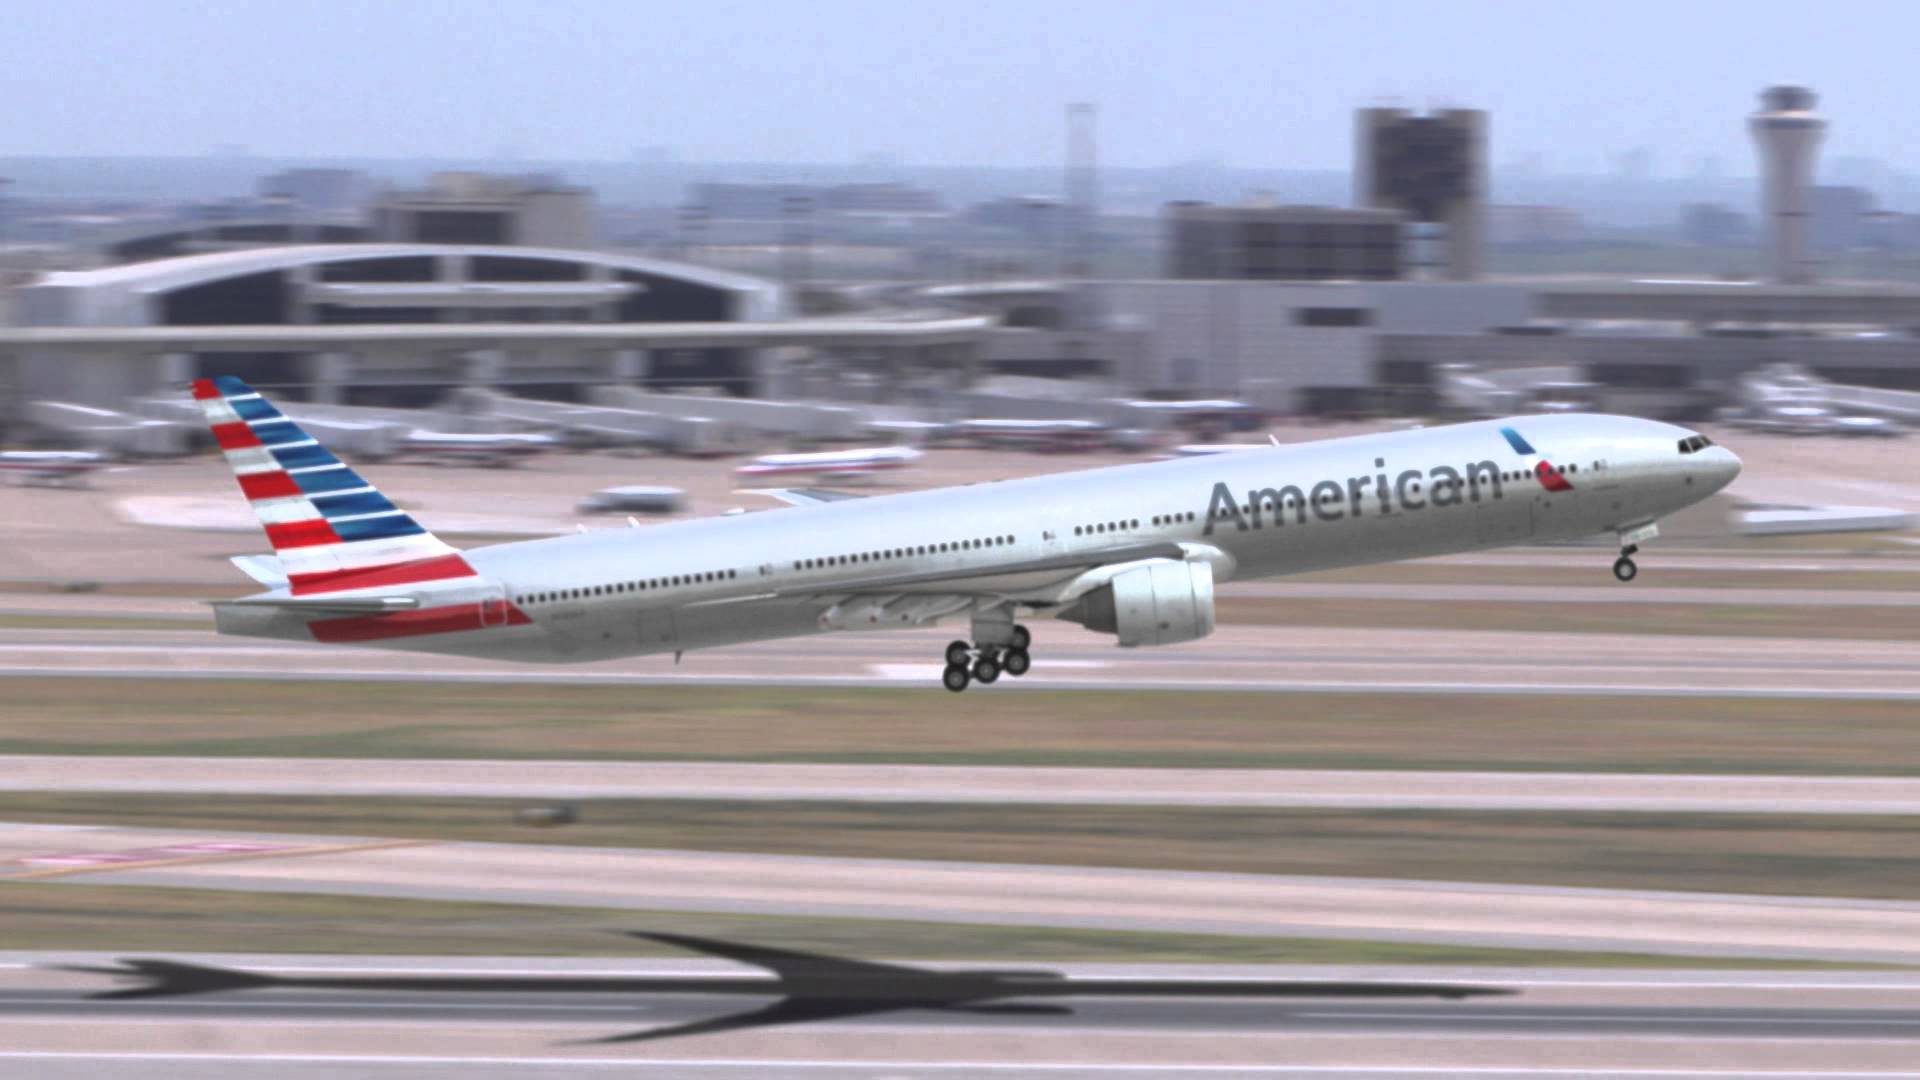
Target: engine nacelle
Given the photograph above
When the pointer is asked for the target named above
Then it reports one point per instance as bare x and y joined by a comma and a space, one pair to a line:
1160, 603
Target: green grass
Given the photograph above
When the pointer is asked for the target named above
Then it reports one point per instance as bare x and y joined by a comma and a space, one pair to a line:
147, 920
1767, 854
1201, 729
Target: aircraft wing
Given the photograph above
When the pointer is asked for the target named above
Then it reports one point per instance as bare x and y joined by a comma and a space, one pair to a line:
972, 579
802, 496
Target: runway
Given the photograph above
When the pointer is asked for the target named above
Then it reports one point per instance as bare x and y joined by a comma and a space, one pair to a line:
1307, 788
1562, 1024
638, 879
1235, 658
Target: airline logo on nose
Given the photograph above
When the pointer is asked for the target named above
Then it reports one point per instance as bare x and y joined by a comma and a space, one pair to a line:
1543, 470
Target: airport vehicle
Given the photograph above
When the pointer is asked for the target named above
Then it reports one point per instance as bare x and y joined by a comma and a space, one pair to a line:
54, 468
1042, 435
831, 464
1131, 550
634, 499
492, 450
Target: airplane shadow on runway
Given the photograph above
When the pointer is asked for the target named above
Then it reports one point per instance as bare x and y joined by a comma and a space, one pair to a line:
807, 987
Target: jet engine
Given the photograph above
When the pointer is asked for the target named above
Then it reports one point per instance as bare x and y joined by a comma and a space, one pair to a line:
1158, 603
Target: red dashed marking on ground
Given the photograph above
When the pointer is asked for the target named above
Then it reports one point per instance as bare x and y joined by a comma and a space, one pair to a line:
169, 851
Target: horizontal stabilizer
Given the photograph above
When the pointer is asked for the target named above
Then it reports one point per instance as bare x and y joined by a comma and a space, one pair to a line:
327, 605
265, 569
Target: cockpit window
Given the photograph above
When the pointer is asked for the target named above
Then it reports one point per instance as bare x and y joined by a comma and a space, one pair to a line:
1694, 444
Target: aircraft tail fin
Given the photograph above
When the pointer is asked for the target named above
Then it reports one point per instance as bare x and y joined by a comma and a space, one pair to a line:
330, 529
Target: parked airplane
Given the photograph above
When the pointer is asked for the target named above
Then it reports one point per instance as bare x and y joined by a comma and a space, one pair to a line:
1132, 550
831, 464
493, 450
1046, 435
52, 467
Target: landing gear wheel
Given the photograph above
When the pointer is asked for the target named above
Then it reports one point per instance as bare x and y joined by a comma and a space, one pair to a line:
1625, 568
985, 670
1016, 662
958, 653
1021, 639
955, 678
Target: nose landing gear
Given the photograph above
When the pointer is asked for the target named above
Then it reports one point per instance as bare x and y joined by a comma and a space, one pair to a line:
984, 664
1624, 568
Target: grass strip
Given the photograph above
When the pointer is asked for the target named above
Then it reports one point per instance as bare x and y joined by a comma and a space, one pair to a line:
145, 920
1760, 854
915, 725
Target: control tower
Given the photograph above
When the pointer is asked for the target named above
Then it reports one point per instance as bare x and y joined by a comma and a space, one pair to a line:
1787, 131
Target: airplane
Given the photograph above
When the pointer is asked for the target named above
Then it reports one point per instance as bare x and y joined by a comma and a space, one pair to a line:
1134, 550
491, 450
52, 467
809, 987
1043, 435
831, 464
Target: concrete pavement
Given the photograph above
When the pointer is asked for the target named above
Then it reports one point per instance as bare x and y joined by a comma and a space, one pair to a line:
1322, 788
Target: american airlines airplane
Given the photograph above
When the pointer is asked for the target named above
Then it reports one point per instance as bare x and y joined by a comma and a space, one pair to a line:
831, 464
1133, 550
55, 467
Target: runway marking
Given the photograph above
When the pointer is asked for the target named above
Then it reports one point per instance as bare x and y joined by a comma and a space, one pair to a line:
1036, 681
196, 860
1385, 1071
1493, 1018
931, 672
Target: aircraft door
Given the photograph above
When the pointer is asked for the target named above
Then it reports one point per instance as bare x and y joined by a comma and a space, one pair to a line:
493, 605
657, 629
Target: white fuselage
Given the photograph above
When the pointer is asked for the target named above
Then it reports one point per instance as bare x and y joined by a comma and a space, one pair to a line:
1367, 499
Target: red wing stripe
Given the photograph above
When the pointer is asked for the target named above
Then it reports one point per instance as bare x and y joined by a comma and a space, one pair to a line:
297, 534
204, 389
235, 436
268, 485
440, 620
440, 568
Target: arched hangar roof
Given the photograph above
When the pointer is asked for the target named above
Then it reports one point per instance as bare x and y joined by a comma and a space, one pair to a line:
165, 275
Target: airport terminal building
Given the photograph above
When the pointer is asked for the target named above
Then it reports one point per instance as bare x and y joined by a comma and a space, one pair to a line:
554, 298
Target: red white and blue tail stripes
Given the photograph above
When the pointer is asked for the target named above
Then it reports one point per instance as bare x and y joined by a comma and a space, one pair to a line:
331, 529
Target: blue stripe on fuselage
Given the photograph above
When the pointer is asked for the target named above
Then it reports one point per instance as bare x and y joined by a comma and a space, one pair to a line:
1520, 445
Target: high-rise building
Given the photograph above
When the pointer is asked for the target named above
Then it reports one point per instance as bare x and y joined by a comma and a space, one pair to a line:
1787, 132
478, 208
1284, 243
1432, 168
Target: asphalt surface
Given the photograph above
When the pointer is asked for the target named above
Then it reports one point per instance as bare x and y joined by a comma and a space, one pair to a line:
1512, 916
1235, 658
1565, 1024
1348, 789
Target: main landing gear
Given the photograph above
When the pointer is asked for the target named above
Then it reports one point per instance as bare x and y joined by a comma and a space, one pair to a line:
1624, 567
968, 663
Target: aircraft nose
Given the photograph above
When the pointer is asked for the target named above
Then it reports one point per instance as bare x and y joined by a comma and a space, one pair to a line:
1725, 465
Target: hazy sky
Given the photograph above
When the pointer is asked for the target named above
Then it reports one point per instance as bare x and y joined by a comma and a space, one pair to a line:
943, 82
